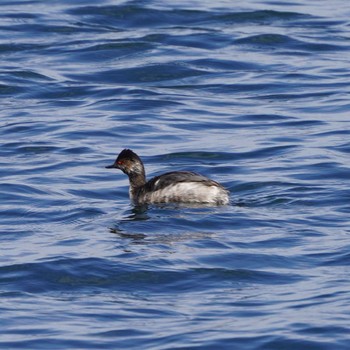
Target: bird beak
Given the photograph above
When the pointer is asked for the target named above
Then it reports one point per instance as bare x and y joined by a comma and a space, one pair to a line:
112, 166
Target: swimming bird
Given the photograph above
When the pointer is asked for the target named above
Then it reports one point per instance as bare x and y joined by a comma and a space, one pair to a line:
172, 187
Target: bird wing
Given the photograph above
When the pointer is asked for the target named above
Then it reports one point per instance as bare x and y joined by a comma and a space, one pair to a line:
171, 178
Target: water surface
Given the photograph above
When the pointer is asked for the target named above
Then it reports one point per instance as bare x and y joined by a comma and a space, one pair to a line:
254, 95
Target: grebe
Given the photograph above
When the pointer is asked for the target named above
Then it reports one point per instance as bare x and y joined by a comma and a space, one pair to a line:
173, 187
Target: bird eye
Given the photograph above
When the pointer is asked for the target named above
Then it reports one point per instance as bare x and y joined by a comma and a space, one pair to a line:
120, 162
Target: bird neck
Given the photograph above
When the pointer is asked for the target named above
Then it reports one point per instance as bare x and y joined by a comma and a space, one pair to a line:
136, 181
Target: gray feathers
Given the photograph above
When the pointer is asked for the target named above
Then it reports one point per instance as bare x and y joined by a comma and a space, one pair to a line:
175, 186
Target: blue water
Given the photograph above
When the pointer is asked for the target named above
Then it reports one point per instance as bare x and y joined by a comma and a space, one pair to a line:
254, 95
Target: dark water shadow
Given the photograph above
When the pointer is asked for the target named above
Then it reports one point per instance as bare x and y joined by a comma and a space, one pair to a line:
167, 223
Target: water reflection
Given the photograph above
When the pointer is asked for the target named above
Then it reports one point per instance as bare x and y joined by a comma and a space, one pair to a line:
134, 236
150, 224
137, 213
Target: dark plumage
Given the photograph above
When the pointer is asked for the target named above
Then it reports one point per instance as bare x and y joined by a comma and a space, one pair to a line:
176, 186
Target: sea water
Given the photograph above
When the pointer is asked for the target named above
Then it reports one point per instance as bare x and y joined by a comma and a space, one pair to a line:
252, 94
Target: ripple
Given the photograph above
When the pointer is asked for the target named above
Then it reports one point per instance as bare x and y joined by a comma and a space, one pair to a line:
213, 64
9, 90
109, 50
344, 148
87, 274
278, 41
145, 74
261, 16
137, 16
199, 40
252, 95
19, 47
25, 75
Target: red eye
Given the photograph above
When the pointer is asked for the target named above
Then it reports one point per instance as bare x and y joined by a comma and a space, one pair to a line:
120, 162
